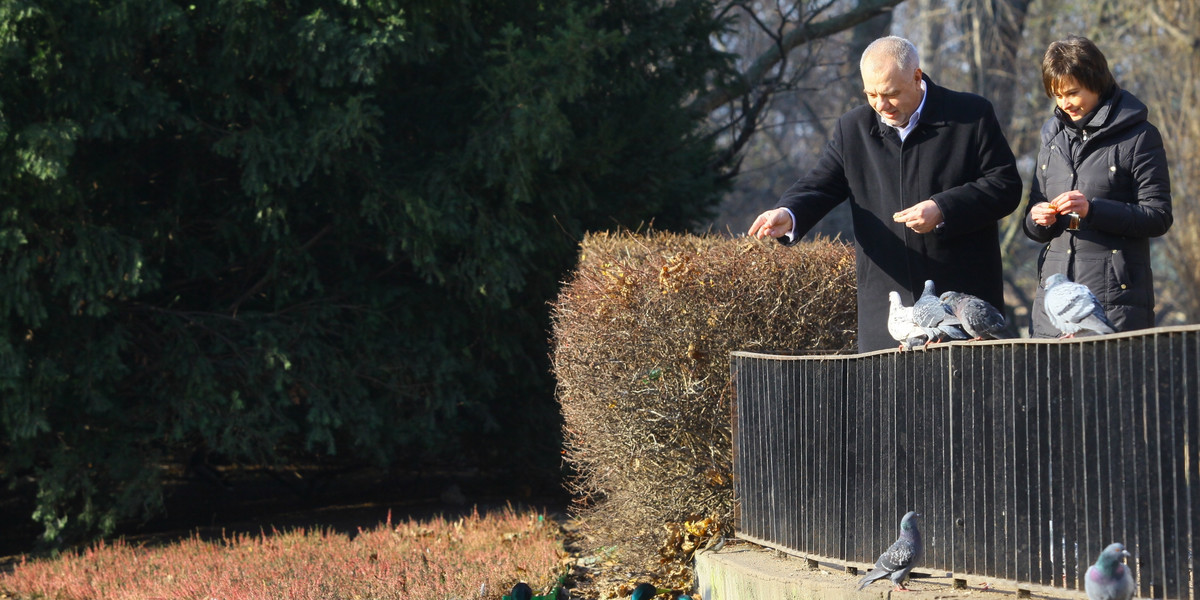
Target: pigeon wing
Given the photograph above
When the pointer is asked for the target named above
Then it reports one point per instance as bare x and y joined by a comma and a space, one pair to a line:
929, 313
980, 318
1072, 306
898, 556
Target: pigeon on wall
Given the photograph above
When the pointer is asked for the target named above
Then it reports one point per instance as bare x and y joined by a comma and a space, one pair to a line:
902, 326
935, 318
1072, 307
898, 560
1109, 578
978, 317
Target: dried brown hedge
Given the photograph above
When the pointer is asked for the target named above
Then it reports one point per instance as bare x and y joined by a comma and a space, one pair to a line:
642, 335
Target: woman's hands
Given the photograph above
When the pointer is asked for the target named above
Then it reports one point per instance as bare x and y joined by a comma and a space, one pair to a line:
1046, 213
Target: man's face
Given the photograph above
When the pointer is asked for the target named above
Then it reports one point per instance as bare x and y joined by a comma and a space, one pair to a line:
893, 94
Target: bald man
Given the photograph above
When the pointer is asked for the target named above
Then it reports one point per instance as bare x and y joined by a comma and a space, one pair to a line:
928, 174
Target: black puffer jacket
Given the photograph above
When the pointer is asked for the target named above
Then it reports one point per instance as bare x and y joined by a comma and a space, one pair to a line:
1117, 160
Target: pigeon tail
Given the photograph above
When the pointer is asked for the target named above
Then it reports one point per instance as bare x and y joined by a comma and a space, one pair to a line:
873, 575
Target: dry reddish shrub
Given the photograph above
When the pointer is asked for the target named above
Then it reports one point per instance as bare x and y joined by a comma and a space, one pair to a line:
427, 560
642, 335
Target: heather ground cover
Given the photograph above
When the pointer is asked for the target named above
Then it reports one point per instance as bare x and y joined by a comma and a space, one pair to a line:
479, 555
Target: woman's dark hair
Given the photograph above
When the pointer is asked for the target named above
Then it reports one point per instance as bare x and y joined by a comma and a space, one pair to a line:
1076, 57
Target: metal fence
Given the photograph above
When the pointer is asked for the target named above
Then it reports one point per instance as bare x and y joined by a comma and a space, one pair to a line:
1025, 457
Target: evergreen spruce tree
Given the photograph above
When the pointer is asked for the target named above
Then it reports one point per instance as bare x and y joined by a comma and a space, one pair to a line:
276, 230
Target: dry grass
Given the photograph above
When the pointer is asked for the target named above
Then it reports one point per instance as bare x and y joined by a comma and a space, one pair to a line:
642, 335
435, 559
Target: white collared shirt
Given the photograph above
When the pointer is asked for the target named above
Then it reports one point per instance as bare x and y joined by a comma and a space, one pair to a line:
916, 116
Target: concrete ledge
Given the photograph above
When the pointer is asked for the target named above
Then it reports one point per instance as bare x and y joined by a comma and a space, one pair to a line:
745, 571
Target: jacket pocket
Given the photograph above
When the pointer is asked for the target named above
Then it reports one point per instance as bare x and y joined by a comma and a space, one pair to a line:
1130, 280
1051, 262
1120, 273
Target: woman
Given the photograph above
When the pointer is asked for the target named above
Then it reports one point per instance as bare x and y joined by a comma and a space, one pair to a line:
1100, 189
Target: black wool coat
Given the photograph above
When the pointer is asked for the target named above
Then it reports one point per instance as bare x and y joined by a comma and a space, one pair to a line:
958, 157
1118, 161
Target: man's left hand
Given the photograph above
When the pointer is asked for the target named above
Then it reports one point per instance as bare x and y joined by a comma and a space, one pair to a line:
922, 217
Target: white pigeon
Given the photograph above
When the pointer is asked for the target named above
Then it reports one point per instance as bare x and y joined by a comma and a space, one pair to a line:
901, 325
1072, 307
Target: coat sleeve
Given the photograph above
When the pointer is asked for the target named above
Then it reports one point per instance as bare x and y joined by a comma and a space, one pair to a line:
994, 191
818, 191
1151, 215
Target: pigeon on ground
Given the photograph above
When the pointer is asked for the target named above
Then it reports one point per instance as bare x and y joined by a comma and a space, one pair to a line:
521, 591
898, 561
1109, 578
1073, 308
979, 318
644, 591
937, 320
901, 324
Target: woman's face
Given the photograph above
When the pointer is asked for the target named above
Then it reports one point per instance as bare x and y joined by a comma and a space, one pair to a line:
1074, 99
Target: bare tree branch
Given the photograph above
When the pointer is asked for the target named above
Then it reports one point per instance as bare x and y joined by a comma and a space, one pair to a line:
794, 36
1186, 37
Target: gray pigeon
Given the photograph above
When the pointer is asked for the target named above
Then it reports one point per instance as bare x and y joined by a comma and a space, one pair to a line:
935, 318
1109, 578
979, 318
901, 324
1073, 308
898, 561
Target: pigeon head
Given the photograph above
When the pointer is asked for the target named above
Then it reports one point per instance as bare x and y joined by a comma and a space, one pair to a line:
1109, 578
1055, 279
908, 524
950, 298
1110, 558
